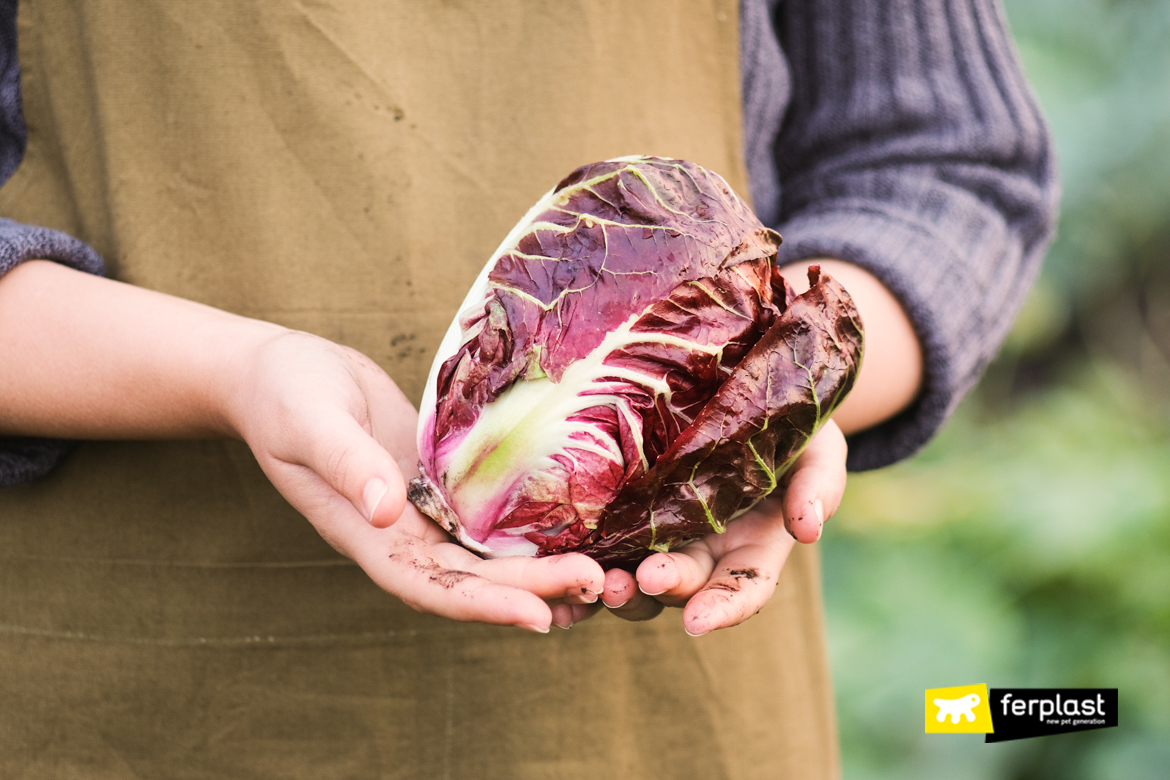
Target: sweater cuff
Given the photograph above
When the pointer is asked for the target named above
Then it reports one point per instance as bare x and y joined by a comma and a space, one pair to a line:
23, 459
932, 279
23, 242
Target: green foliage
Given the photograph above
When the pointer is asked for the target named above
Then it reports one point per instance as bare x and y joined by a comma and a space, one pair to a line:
1027, 551
1029, 545
1101, 71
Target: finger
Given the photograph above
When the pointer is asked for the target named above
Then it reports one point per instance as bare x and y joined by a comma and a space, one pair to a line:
573, 577
816, 485
584, 611
567, 615
562, 615
740, 586
674, 577
352, 463
620, 587
624, 600
407, 567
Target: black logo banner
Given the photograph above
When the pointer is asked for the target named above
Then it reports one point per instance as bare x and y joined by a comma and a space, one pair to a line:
1018, 713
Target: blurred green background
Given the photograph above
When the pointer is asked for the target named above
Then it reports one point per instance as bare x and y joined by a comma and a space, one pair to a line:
1029, 545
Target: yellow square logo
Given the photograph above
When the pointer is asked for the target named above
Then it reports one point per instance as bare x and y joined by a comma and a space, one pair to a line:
959, 710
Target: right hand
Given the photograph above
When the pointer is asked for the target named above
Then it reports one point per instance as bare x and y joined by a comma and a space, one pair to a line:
87, 357
334, 434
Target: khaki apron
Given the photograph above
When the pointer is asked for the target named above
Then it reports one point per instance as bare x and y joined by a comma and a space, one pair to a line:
345, 168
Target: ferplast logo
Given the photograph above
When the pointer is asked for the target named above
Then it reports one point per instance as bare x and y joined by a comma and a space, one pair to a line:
1018, 713
959, 710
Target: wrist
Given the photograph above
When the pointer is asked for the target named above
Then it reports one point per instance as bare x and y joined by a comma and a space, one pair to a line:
224, 375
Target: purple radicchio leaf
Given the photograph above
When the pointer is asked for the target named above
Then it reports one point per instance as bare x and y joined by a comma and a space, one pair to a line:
748, 435
593, 341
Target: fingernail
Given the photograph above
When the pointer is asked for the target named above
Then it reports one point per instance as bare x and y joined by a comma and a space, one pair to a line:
588, 596
819, 508
532, 627
648, 593
689, 633
615, 606
372, 496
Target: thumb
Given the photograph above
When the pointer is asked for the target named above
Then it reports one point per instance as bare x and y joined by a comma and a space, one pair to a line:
357, 467
817, 484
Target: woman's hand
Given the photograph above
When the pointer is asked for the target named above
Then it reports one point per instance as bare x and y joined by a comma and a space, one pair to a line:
335, 435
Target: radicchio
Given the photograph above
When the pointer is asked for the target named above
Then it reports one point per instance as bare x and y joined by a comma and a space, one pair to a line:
629, 372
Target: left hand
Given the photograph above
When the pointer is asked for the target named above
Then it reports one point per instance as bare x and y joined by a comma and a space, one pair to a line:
723, 579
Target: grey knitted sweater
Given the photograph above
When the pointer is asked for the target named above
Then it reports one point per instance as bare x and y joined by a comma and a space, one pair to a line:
896, 135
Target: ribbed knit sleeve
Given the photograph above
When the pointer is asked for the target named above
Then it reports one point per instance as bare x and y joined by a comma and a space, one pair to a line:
12, 130
23, 459
765, 89
913, 148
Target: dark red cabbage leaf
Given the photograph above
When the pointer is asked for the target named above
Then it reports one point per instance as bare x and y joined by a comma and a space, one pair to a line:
757, 424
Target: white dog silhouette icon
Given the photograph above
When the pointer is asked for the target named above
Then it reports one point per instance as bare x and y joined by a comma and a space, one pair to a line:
962, 706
